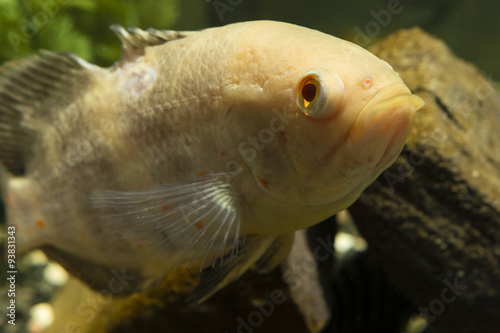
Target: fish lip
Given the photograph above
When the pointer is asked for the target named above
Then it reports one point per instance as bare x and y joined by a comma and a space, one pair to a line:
398, 105
395, 96
395, 145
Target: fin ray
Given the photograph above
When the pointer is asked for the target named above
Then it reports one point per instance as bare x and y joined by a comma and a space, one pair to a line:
135, 40
224, 272
35, 87
191, 220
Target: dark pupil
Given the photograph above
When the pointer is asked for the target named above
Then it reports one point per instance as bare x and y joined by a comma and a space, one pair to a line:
309, 92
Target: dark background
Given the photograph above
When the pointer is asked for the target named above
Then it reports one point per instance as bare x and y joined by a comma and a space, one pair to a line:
471, 28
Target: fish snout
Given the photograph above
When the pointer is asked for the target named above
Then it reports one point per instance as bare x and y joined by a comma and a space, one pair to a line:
380, 131
387, 113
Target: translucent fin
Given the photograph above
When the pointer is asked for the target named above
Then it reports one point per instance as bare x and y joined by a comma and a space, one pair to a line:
215, 278
197, 219
275, 254
35, 88
134, 43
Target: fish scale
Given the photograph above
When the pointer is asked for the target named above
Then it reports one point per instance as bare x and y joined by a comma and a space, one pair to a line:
205, 148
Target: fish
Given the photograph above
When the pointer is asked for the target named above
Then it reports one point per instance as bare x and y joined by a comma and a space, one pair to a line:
205, 149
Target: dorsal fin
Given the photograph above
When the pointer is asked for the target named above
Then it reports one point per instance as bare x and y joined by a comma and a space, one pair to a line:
35, 87
134, 43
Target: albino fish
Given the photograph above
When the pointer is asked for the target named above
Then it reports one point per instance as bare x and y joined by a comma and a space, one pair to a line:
205, 148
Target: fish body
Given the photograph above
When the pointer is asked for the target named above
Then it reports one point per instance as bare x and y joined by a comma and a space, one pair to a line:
209, 147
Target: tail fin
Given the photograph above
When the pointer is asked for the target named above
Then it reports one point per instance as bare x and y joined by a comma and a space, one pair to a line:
15, 139
32, 90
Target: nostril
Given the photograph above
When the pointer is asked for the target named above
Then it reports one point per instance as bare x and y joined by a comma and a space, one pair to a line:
367, 82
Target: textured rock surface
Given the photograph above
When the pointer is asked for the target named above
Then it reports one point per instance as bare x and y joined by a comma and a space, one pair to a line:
433, 219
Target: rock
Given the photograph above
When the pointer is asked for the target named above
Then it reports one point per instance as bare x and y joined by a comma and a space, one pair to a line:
433, 219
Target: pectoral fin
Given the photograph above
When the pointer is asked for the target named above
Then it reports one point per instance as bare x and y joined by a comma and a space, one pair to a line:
215, 278
197, 219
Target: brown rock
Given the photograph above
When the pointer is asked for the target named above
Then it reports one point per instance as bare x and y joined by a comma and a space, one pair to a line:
433, 219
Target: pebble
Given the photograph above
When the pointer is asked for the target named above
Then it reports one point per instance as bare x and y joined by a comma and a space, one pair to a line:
41, 317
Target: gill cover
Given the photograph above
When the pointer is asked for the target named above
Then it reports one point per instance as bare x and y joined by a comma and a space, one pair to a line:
260, 136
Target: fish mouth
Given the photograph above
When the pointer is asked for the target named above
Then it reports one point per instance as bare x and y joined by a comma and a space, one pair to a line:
385, 112
374, 141
380, 131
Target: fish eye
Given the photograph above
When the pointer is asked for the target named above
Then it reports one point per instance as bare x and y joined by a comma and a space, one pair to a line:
309, 91
319, 93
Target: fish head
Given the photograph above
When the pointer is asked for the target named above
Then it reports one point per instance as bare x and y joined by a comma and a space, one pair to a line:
353, 126
326, 118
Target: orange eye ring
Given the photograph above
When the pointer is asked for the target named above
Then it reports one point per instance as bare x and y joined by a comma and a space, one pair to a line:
308, 90
319, 93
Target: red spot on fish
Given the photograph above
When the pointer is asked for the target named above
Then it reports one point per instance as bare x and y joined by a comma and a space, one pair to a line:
140, 246
262, 182
201, 173
165, 208
40, 224
199, 225
283, 135
222, 153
